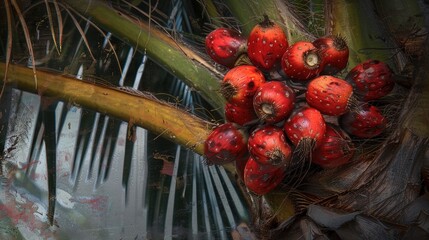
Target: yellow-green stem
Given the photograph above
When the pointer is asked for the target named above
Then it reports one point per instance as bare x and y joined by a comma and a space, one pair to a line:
178, 59
158, 117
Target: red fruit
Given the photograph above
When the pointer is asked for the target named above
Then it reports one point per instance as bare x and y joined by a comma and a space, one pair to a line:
305, 125
371, 79
329, 95
274, 101
267, 145
241, 115
240, 84
365, 122
262, 179
225, 144
334, 53
301, 61
335, 150
266, 44
225, 46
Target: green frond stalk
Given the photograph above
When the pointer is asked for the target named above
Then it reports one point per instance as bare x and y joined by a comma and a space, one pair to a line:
175, 57
250, 13
364, 32
158, 117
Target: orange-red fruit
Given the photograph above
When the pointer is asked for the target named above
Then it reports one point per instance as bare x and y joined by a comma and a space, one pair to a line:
225, 46
267, 145
301, 61
266, 44
240, 84
241, 115
371, 79
365, 122
226, 143
334, 53
329, 95
274, 101
335, 150
306, 124
262, 179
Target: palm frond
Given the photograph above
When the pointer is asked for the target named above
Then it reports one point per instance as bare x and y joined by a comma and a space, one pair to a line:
94, 175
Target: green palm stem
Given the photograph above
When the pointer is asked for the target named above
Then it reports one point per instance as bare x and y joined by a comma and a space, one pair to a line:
158, 117
365, 34
250, 13
180, 60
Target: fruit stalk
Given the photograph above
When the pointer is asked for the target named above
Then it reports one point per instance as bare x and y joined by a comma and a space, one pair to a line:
182, 61
158, 117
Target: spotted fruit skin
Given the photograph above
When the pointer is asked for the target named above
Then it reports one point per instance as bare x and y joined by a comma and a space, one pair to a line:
242, 115
267, 145
225, 46
262, 179
274, 101
301, 61
240, 84
365, 122
335, 150
329, 95
334, 53
266, 45
306, 123
226, 143
371, 79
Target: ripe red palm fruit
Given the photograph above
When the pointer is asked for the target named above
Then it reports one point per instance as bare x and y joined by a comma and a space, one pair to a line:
334, 53
226, 143
306, 126
266, 44
301, 61
262, 179
365, 122
329, 95
225, 46
335, 150
240, 84
267, 145
274, 101
241, 115
371, 79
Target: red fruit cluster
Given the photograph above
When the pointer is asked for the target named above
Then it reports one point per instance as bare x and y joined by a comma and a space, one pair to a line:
271, 121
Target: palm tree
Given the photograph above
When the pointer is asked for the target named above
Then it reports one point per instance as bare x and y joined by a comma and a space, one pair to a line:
106, 106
